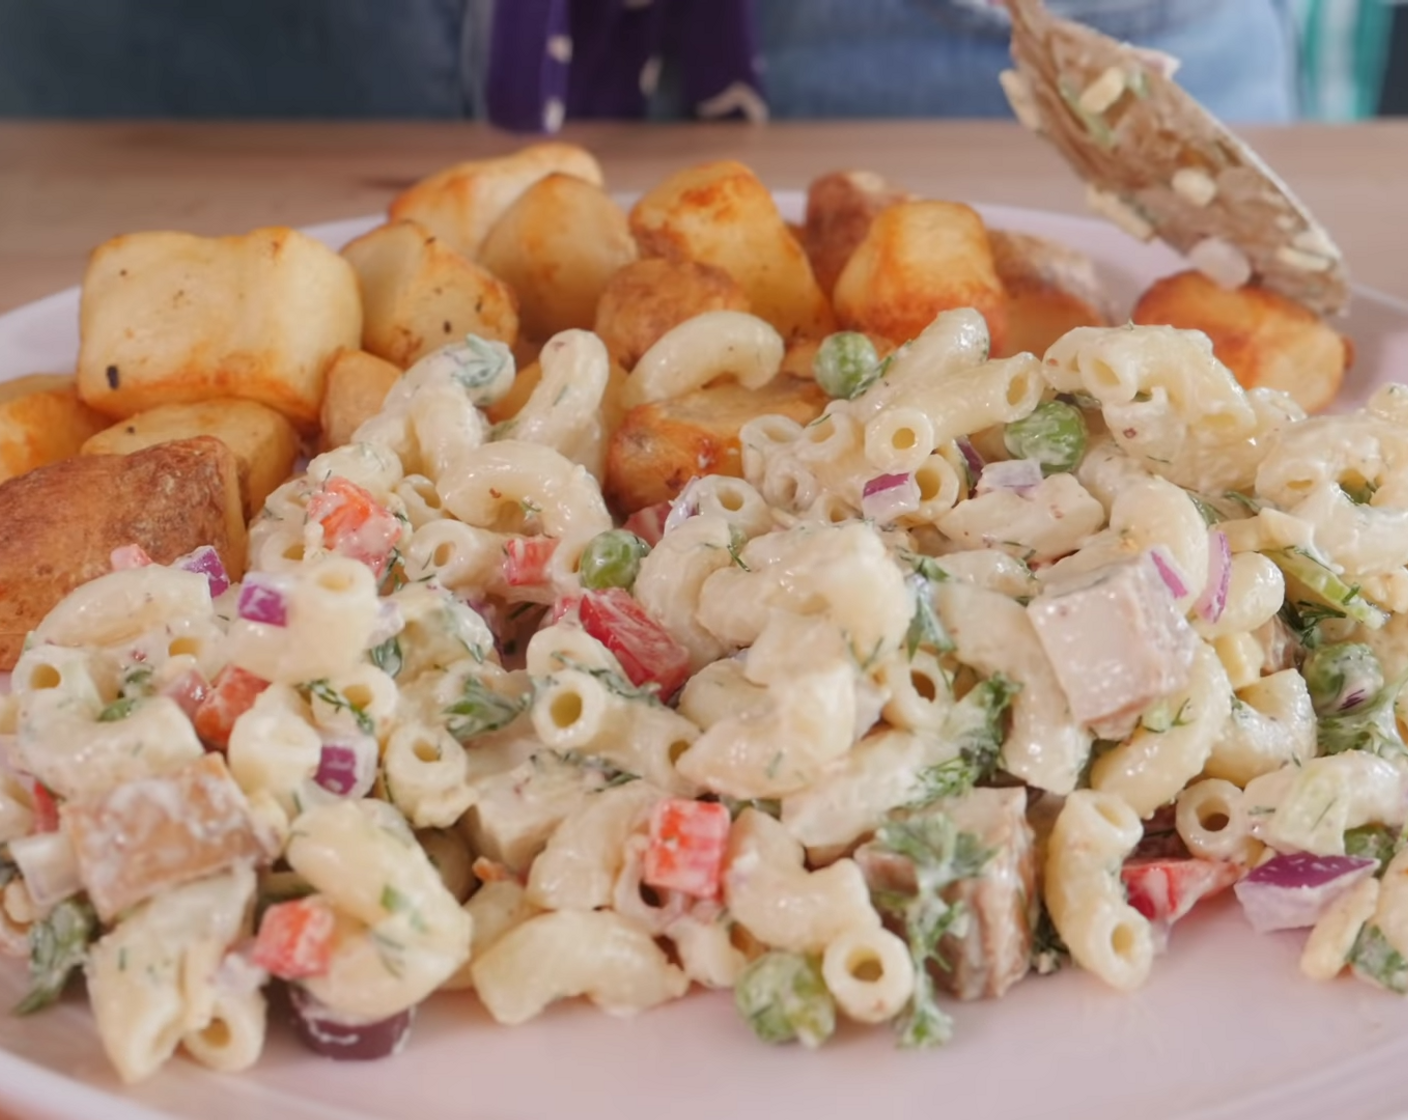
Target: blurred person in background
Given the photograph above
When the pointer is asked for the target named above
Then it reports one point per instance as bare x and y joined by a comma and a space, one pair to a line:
530, 64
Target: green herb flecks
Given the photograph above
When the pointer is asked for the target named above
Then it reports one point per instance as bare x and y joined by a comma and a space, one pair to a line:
975, 727
119, 709
926, 630
480, 709
387, 656
941, 856
58, 946
1324, 583
1375, 841
323, 690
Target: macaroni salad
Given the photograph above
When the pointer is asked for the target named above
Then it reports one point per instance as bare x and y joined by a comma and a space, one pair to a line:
997, 664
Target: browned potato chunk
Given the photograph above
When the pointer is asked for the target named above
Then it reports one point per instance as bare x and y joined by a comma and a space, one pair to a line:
357, 386
917, 259
556, 247
647, 298
152, 834
840, 208
264, 443
170, 317
659, 447
721, 214
418, 294
461, 203
1051, 289
64, 520
42, 421
1267, 340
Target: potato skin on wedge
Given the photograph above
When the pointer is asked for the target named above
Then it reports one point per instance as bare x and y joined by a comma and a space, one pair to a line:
264, 443
65, 519
42, 421
918, 259
1267, 340
840, 208
461, 202
659, 447
721, 214
556, 247
357, 386
647, 298
1051, 289
418, 293
172, 317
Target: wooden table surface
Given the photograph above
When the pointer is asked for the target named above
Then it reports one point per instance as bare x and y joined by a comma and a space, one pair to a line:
66, 187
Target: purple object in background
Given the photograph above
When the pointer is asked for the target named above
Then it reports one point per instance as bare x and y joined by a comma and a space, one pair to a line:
552, 59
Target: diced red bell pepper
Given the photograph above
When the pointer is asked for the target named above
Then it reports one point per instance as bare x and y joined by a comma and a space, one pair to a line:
649, 523
354, 523
188, 690
687, 842
130, 556
646, 650
295, 938
231, 695
526, 560
566, 609
44, 808
1164, 890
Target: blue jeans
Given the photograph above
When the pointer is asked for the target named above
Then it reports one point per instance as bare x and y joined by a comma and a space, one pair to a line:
424, 58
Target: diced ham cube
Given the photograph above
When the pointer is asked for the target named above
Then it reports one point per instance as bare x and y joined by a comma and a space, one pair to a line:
995, 951
649, 523
295, 938
149, 835
1115, 640
687, 841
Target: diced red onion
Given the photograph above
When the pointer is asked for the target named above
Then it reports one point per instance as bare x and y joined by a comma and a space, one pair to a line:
206, 561
49, 866
129, 556
1293, 891
1021, 476
1167, 568
347, 769
889, 496
335, 1036
683, 507
970, 456
1213, 600
263, 599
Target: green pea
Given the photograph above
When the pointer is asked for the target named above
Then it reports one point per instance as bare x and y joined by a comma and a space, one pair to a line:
611, 559
1342, 675
782, 996
846, 364
1053, 435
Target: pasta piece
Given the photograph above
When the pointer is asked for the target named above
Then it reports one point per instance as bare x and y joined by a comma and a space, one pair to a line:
570, 953
1046, 747
578, 867
1212, 822
1091, 838
769, 891
1159, 759
870, 974
150, 978
1272, 725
